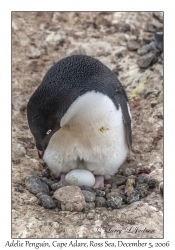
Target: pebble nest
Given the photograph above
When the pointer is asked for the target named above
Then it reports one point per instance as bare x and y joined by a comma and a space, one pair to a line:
122, 189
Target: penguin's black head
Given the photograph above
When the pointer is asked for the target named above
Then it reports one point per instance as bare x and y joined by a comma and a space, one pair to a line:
42, 125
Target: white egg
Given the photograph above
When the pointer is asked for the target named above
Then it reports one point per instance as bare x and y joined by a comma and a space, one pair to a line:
80, 177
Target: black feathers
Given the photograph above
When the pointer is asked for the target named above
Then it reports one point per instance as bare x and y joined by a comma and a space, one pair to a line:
66, 81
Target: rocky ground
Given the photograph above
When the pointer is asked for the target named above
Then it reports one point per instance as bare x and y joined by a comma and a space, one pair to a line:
125, 42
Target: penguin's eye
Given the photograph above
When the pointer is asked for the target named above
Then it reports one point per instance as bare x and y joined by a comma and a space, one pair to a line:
48, 132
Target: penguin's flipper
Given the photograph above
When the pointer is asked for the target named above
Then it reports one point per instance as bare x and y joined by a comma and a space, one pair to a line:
121, 99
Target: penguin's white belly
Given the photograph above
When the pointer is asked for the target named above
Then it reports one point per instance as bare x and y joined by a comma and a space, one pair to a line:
91, 136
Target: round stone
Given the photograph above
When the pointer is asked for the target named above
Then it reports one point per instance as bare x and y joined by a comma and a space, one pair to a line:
159, 40
142, 178
100, 202
120, 179
123, 27
152, 183
143, 192
47, 201
114, 202
84, 187
133, 45
99, 192
113, 193
144, 49
132, 197
145, 60
71, 198
35, 185
89, 196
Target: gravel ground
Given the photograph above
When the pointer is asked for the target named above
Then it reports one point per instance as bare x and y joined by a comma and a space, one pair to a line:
123, 41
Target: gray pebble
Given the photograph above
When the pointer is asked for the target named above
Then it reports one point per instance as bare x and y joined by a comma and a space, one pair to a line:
114, 193
143, 192
35, 185
123, 27
89, 196
128, 171
159, 40
142, 178
84, 187
153, 46
99, 193
47, 201
132, 197
100, 202
120, 179
152, 183
114, 202
133, 45
48, 182
144, 49
145, 60
58, 185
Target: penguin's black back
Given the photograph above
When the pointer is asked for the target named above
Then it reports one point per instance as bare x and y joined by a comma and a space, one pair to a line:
75, 74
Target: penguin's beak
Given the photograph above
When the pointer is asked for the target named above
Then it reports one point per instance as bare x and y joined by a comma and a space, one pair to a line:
41, 145
40, 154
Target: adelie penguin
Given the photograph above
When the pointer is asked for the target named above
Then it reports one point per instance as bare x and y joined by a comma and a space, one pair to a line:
80, 118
